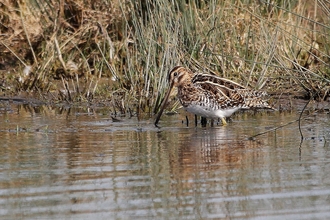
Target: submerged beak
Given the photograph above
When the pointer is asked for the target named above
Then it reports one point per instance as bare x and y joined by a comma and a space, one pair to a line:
162, 107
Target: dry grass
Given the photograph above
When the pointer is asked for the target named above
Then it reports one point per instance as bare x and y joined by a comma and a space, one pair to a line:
120, 51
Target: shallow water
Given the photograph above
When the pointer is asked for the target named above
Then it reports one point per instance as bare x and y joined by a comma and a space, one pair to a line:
61, 163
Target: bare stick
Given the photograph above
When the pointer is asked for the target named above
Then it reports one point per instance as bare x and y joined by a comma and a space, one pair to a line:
281, 126
27, 37
299, 124
274, 129
59, 54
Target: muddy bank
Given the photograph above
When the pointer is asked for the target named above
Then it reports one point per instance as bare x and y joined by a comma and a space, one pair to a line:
284, 102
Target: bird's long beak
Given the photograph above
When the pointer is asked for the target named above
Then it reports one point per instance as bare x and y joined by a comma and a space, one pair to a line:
162, 107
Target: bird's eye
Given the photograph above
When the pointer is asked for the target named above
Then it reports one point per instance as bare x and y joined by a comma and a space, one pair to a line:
175, 74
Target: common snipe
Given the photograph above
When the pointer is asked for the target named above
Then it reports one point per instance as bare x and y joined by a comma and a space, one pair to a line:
210, 96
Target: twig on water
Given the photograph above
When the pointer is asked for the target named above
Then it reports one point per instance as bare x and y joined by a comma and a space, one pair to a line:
281, 126
273, 129
299, 124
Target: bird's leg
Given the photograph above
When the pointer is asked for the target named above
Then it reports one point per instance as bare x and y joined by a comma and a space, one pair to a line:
223, 121
212, 122
203, 121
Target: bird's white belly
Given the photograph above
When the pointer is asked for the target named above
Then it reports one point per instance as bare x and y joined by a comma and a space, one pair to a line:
210, 113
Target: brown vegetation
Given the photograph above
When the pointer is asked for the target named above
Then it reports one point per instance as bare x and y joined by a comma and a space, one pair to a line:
119, 51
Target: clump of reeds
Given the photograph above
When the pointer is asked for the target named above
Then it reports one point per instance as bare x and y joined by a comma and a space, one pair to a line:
120, 51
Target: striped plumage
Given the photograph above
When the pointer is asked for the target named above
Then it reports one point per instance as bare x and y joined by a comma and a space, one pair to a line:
211, 96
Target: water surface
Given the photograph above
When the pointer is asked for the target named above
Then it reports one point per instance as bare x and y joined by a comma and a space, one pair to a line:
77, 163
